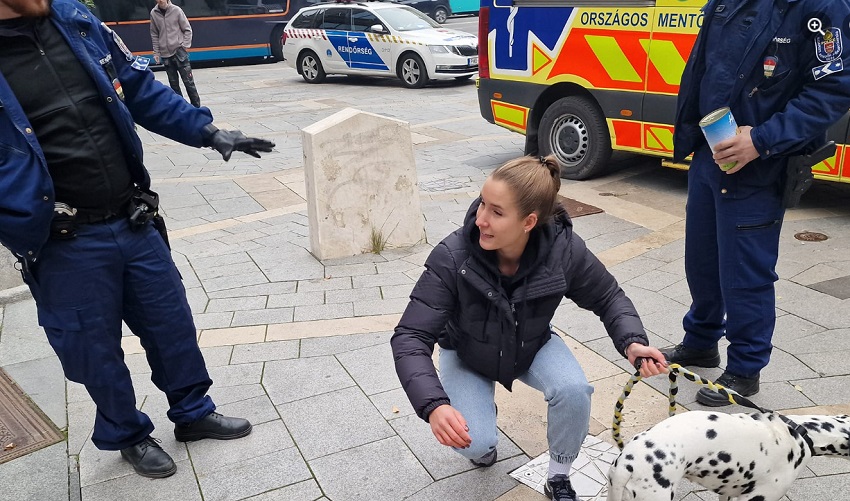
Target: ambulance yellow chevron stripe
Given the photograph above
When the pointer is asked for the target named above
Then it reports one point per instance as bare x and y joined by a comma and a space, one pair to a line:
613, 59
631, 60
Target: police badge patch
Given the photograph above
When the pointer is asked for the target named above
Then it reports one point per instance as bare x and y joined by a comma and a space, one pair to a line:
828, 46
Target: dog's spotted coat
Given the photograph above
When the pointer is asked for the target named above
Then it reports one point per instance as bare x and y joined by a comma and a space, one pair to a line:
743, 457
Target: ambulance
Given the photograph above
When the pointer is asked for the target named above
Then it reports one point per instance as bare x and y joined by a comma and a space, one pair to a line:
583, 78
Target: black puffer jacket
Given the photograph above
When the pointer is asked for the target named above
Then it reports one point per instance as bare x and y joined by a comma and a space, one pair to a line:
461, 302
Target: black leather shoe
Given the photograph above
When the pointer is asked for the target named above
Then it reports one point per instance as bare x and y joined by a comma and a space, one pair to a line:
213, 426
744, 386
149, 460
487, 460
559, 488
682, 355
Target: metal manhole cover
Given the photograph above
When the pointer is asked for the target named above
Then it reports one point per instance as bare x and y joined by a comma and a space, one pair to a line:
23, 427
577, 209
810, 236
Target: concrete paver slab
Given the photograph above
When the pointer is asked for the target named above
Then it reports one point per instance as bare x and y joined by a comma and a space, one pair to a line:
392, 404
254, 476
479, 484
213, 455
340, 344
42, 474
257, 352
182, 485
291, 380
307, 490
333, 422
439, 460
382, 470
372, 368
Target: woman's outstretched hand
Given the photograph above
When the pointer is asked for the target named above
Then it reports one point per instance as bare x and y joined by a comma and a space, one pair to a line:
652, 363
449, 426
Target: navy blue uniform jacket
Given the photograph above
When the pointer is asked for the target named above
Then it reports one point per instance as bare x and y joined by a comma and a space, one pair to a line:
790, 111
26, 190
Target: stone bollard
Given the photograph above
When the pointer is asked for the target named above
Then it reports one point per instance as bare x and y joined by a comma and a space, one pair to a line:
362, 193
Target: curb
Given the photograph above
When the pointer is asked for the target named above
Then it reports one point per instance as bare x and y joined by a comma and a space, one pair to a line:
15, 294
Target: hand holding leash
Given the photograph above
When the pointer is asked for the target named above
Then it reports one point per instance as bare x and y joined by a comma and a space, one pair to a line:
648, 360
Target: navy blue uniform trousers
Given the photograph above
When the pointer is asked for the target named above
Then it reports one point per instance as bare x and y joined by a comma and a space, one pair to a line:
84, 287
731, 249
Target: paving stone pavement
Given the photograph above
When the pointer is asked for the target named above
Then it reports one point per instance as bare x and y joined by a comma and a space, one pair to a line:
300, 347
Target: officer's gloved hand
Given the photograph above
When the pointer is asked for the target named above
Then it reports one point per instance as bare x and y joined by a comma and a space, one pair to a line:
228, 141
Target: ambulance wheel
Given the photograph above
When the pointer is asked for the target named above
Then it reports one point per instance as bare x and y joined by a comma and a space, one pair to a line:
575, 131
412, 72
310, 67
441, 14
276, 42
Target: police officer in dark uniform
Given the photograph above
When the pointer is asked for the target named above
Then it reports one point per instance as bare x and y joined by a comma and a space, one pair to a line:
783, 68
76, 210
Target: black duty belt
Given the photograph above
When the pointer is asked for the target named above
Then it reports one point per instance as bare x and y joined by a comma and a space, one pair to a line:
94, 217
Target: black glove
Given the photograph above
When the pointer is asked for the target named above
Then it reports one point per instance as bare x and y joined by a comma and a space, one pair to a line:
228, 141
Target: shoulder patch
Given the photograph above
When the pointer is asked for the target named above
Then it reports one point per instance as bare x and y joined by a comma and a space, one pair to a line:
828, 45
828, 69
141, 63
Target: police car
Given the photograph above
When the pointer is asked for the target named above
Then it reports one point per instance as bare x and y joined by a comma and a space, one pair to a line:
374, 38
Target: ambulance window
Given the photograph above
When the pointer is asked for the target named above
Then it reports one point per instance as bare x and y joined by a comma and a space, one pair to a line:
307, 19
362, 20
337, 19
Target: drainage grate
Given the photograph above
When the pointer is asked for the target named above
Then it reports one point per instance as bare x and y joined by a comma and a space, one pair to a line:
442, 185
577, 209
23, 427
810, 236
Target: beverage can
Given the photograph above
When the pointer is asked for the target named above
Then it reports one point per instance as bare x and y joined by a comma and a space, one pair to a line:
718, 126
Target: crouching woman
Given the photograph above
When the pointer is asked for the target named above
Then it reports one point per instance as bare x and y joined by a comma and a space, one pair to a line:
487, 297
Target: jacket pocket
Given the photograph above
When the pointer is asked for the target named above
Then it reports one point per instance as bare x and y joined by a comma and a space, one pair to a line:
482, 357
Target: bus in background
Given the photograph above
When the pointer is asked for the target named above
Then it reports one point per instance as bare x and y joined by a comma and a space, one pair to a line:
581, 78
464, 6
221, 29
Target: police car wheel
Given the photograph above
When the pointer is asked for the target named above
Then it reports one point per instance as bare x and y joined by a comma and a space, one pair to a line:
412, 72
441, 15
310, 67
574, 130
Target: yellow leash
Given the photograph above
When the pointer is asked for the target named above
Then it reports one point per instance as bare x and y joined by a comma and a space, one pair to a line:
675, 369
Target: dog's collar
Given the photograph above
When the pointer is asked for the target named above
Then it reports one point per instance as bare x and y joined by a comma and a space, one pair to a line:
801, 430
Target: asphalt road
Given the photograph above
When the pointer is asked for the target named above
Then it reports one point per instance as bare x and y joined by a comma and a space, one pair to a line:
465, 23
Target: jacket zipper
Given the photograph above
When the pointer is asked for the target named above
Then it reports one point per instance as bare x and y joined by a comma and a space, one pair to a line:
516, 328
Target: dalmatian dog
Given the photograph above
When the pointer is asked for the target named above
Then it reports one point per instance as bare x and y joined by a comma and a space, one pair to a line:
742, 457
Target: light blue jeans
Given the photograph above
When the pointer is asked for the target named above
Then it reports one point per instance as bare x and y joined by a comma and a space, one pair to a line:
555, 372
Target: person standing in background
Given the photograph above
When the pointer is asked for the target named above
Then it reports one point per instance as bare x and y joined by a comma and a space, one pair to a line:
171, 36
